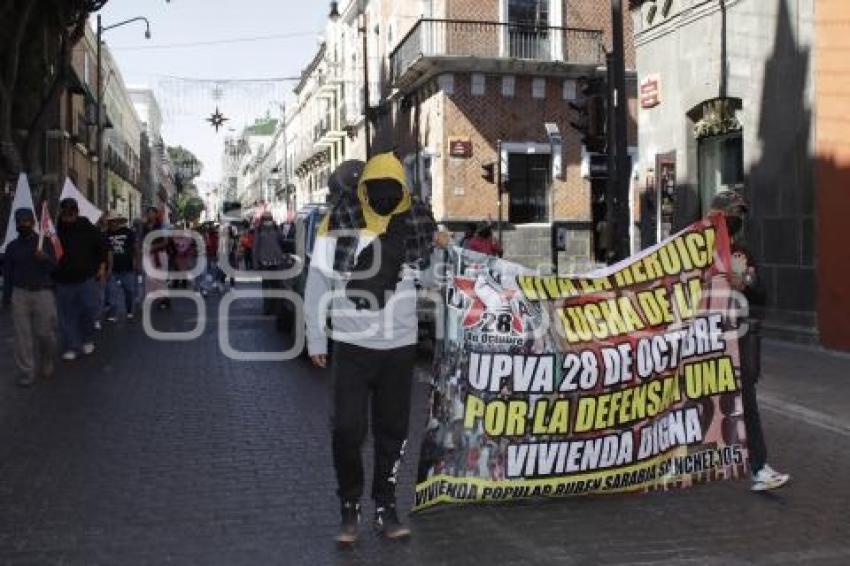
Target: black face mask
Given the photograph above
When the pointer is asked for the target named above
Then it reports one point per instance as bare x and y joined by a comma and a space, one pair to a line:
25, 230
734, 224
384, 195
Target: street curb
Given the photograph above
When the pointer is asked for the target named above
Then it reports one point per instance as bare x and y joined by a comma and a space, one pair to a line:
808, 416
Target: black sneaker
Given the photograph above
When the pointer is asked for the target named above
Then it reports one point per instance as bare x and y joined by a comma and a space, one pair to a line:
388, 525
348, 530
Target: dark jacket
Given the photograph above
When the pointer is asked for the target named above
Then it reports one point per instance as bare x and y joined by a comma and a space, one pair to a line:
25, 271
85, 250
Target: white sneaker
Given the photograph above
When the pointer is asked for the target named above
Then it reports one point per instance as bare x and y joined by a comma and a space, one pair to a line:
112, 319
98, 325
69, 356
767, 478
130, 316
88, 348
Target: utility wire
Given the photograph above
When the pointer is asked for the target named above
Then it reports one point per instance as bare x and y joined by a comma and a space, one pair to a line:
188, 45
225, 81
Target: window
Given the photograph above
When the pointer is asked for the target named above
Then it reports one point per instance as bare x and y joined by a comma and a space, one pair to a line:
508, 86
538, 88
479, 84
529, 13
721, 165
570, 90
447, 83
528, 32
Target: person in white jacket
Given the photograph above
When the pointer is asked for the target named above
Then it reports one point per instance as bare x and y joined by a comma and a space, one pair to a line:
365, 276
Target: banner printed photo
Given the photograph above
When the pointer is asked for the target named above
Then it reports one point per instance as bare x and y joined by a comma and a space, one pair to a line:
626, 379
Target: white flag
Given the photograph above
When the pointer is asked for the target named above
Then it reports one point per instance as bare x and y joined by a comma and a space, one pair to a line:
87, 209
23, 199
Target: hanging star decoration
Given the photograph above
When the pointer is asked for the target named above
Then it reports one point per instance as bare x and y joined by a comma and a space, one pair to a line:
217, 119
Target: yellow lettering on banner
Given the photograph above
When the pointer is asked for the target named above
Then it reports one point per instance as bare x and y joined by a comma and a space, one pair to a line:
517, 413
558, 420
697, 249
623, 278
687, 305
650, 307
710, 377
584, 415
500, 418
653, 267
710, 243
474, 411
618, 408
669, 259
682, 251
599, 321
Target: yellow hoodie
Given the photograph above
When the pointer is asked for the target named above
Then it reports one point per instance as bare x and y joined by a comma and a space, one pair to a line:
382, 166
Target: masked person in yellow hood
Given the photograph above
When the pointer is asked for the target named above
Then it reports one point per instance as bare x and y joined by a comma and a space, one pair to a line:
367, 255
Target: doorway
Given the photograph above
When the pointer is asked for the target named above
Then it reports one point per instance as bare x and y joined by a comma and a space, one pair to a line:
528, 186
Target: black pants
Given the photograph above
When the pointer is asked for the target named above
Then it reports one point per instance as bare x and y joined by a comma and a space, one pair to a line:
750, 349
384, 378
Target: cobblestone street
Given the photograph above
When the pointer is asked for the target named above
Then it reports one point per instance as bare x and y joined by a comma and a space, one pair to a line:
170, 453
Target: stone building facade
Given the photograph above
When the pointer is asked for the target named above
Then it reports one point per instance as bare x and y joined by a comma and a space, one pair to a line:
734, 110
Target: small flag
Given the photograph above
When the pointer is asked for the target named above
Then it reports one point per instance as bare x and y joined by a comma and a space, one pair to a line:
48, 230
23, 199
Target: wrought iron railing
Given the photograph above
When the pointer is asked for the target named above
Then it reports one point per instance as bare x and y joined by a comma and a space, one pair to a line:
494, 40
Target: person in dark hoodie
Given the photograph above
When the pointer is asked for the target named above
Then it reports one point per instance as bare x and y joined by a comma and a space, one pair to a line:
76, 276
374, 320
28, 289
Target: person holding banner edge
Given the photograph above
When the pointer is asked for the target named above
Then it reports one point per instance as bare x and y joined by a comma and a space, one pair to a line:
744, 279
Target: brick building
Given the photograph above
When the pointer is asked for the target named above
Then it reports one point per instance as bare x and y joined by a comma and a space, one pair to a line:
464, 77
450, 79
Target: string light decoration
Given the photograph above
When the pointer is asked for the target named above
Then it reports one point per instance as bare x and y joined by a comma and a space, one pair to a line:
217, 119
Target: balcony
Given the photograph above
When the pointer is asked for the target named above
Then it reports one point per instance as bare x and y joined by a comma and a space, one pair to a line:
438, 46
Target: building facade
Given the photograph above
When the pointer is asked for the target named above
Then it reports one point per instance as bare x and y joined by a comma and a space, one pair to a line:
154, 181
734, 111
449, 82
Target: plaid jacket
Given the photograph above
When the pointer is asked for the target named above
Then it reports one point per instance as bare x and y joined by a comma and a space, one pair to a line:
419, 242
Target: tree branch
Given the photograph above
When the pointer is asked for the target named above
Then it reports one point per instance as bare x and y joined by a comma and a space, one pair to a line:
14, 50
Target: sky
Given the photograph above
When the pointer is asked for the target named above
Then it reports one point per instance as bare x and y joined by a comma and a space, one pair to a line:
186, 104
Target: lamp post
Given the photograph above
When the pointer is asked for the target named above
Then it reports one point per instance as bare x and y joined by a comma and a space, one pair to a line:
618, 207
101, 29
367, 126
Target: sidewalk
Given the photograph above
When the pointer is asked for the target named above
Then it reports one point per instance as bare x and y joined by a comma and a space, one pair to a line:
807, 382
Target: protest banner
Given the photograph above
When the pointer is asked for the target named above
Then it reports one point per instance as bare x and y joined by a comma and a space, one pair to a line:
626, 379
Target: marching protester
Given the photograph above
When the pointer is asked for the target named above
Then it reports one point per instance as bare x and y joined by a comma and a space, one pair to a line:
745, 279
103, 297
375, 327
157, 254
215, 276
483, 241
246, 247
28, 289
184, 257
76, 276
268, 254
123, 266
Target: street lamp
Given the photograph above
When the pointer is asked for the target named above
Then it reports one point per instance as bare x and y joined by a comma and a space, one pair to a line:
101, 29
